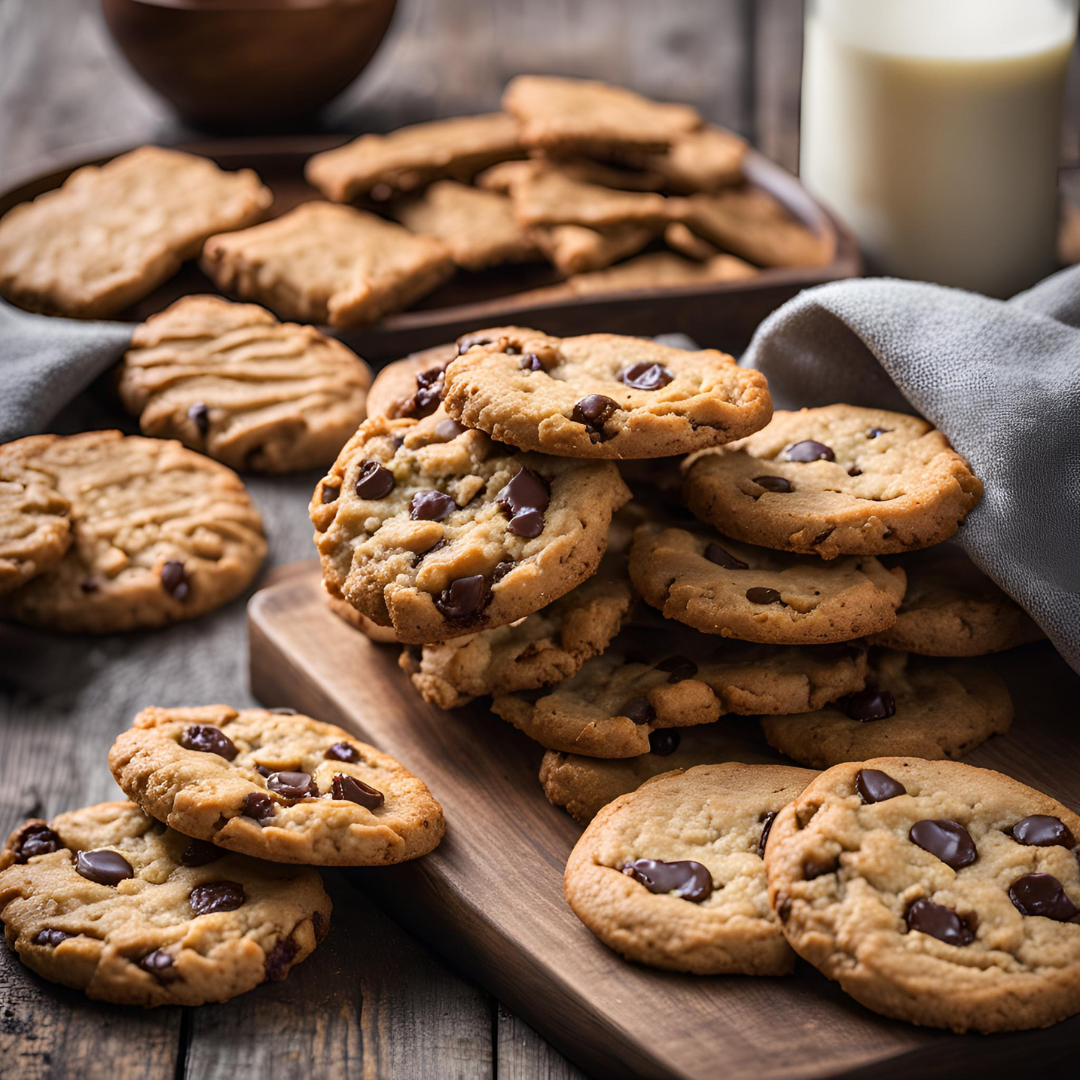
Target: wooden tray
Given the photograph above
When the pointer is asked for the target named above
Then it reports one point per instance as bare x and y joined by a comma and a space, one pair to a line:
490, 897
471, 301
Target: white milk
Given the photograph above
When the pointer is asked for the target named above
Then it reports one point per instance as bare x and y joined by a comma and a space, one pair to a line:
932, 127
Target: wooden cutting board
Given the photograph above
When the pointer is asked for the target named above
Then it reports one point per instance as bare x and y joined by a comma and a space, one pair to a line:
490, 897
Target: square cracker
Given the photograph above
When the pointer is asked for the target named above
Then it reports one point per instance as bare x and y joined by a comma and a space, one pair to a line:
112, 233
327, 263
576, 249
412, 156
699, 161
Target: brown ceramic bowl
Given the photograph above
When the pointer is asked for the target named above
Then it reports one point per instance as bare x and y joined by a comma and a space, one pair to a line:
253, 62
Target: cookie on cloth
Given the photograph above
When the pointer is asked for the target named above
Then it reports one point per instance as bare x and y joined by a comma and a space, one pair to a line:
326, 263
440, 532
231, 381
276, 785
736, 590
837, 480
911, 705
109, 901
160, 534
603, 395
111, 234
933, 892
671, 875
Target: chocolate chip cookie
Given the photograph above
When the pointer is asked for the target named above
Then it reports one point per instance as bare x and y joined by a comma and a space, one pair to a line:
441, 532
276, 785
838, 480
911, 705
160, 534
752, 593
109, 901
603, 395
933, 892
672, 875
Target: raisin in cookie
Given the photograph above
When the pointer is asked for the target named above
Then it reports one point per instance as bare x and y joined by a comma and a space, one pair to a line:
603, 395
838, 480
160, 534
109, 901
933, 892
277, 785
672, 875
440, 532
752, 593
911, 705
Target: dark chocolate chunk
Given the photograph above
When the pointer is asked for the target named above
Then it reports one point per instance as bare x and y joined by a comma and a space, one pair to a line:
174, 579
809, 451
36, 840
532, 362
501, 570
353, 790
639, 710
1042, 894
103, 866
467, 341
766, 826
593, 411
158, 963
758, 595
292, 785
207, 739
869, 704
259, 806
1041, 830
330, 492
89, 586
430, 506
463, 597
374, 481
200, 853
429, 392
687, 879
939, 922
216, 896
645, 376
449, 429
420, 556
776, 484
342, 751
680, 667
263, 771
51, 937
947, 840
875, 786
716, 554
199, 415
815, 868
281, 957
525, 498
665, 741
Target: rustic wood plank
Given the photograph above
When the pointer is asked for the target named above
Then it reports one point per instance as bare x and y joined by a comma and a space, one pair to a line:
520, 1055
777, 61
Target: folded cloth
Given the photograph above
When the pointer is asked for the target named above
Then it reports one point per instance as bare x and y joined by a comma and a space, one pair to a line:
45, 362
1000, 378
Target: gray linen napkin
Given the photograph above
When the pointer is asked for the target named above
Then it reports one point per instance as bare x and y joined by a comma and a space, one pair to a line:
1000, 378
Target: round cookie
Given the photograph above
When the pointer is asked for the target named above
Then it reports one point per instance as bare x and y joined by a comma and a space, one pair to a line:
276, 785
543, 648
838, 480
927, 708
603, 395
231, 381
736, 590
109, 901
672, 875
35, 529
160, 534
933, 892
440, 532
951, 608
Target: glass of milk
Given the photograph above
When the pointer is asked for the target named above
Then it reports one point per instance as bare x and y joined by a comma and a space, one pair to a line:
932, 127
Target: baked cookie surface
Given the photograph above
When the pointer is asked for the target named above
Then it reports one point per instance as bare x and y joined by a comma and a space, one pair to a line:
160, 535
699, 161
109, 901
603, 395
231, 381
755, 594
837, 480
933, 892
577, 249
279, 786
672, 875
440, 532
911, 705
112, 233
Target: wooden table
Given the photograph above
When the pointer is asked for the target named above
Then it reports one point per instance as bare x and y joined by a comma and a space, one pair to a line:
376, 1003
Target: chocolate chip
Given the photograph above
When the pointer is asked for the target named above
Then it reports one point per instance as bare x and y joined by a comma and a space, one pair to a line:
467, 341
532, 362
448, 429
199, 415
947, 840
330, 493
1042, 894
263, 771
639, 710
665, 741
342, 751
680, 668
373, 481
282, 710
525, 498
51, 937
200, 853
809, 451
174, 579
292, 785
429, 392
645, 376
353, 790
939, 922
501, 570
759, 595
397, 442
776, 484
875, 786
687, 879
432, 376
158, 963
766, 826
716, 554
280, 959
430, 506
815, 868
36, 840
420, 556
869, 704
874, 432
463, 597
783, 907
89, 586
593, 411
259, 806
217, 896
207, 739
1041, 830
854, 471
103, 866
